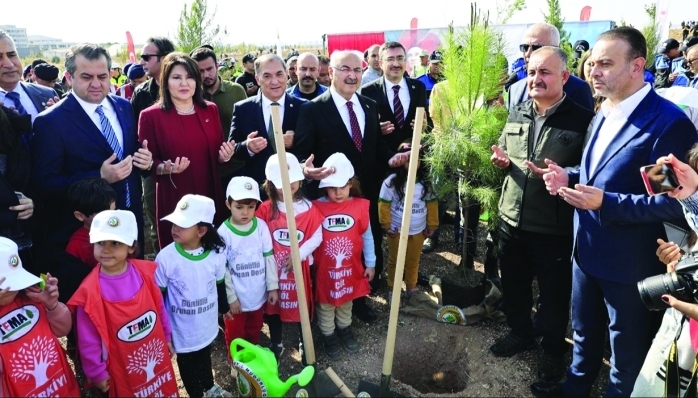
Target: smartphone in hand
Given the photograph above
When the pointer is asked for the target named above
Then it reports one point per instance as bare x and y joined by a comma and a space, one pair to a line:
658, 178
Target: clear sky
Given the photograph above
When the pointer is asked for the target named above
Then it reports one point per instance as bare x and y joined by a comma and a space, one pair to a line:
257, 21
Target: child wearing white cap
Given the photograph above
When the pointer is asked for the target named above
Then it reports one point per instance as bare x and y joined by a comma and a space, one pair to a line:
30, 320
251, 264
346, 235
191, 274
123, 330
309, 226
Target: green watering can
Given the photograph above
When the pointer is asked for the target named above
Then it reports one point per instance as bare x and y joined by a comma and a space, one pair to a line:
258, 373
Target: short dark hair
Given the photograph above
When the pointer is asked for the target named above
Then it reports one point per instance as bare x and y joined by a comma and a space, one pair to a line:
243, 202
91, 52
164, 45
390, 45
38, 62
635, 39
201, 53
91, 196
324, 60
168, 64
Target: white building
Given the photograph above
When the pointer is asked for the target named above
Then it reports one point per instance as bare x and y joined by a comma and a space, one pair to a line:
45, 42
18, 34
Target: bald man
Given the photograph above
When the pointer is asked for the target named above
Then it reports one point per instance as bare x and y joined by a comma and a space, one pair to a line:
307, 70
537, 36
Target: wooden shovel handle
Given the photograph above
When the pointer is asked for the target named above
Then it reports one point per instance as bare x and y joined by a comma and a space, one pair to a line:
402, 246
308, 346
338, 382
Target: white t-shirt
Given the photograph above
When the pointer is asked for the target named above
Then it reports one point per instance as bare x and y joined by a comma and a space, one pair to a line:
191, 300
246, 253
418, 221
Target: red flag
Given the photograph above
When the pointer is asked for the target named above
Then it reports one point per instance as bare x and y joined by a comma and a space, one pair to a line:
130, 47
586, 14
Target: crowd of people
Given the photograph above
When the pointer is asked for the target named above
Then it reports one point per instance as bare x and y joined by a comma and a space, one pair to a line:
85, 162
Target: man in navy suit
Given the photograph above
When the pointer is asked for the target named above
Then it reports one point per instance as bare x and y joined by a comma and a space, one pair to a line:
26, 98
88, 134
251, 127
616, 223
537, 36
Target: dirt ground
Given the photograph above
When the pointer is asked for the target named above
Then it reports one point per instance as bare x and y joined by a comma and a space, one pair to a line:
431, 358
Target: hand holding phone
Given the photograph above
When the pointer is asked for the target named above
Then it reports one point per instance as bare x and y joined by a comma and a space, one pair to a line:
659, 178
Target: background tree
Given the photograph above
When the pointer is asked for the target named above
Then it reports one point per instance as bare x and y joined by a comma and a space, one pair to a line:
651, 32
554, 17
467, 113
196, 27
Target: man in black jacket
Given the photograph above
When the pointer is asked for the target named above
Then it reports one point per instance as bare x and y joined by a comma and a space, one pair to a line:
535, 232
144, 96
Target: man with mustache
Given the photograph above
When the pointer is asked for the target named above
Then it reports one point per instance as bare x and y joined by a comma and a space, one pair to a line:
307, 87
225, 95
324, 71
340, 120
535, 232
291, 64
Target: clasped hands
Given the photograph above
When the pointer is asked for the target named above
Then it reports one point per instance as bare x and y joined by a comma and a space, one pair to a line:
257, 144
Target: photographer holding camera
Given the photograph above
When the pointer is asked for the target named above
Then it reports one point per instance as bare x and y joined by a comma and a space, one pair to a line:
676, 341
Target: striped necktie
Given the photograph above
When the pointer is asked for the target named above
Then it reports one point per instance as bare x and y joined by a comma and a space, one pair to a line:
398, 112
110, 136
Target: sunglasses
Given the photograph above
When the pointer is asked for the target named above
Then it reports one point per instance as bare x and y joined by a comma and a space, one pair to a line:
146, 57
524, 47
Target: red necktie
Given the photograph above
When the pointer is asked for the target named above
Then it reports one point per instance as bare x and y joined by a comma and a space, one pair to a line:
397, 108
355, 129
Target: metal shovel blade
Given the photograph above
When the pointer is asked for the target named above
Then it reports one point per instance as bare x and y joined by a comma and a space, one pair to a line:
378, 390
320, 386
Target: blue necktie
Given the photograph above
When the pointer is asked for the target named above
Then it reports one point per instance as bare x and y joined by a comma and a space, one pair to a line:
14, 96
108, 133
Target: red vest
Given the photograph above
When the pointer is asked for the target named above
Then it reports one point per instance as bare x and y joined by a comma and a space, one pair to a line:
33, 361
306, 223
339, 272
138, 359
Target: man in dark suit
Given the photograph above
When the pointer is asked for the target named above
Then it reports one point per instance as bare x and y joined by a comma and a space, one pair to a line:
88, 134
616, 223
342, 121
26, 98
537, 36
398, 97
251, 128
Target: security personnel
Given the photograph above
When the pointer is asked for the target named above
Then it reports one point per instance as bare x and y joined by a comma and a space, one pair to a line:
667, 65
433, 74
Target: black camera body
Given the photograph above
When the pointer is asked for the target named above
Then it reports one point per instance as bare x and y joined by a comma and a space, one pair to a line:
682, 284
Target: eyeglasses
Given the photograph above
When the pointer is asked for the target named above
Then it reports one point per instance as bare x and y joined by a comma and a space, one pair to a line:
690, 61
524, 47
346, 69
146, 57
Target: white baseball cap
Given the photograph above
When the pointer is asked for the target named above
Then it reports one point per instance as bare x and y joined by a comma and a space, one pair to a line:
191, 210
342, 171
273, 171
114, 225
16, 277
240, 188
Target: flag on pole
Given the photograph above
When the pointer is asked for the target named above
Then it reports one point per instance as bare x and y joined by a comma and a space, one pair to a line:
663, 18
130, 48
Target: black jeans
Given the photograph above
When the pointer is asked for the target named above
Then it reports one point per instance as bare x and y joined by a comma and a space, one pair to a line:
524, 255
196, 371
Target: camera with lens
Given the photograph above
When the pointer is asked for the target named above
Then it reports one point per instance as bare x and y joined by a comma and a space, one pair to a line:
682, 284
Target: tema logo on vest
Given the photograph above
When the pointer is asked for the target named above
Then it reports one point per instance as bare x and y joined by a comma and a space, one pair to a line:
282, 237
139, 328
18, 323
338, 223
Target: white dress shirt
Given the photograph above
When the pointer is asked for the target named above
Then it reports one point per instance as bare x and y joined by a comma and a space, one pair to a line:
266, 109
616, 117
23, 98
403, 94
343, 109
109, 112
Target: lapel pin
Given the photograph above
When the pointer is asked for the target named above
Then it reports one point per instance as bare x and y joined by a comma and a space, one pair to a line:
206, 120
291, 105
412, 86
